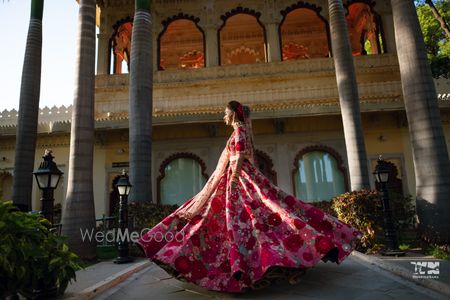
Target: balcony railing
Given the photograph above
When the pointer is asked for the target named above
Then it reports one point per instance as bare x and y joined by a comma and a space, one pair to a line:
272, 90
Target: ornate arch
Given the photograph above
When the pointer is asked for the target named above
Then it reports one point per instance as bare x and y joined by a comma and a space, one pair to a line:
377, 17
233, 12
165, 23
322, 148
162, 169
116, 27
313, 7
270, 171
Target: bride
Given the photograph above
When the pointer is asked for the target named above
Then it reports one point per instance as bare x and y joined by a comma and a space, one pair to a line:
242, 232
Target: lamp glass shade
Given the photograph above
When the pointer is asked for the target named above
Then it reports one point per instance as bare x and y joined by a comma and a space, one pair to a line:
123, 190
54, 180
43, 180
383, 177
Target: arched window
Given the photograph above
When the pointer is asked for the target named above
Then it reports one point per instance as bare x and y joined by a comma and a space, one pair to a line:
304, 33
121, 46
318, 174
182, 176
181, 44
265, 165
364, 27
242, 38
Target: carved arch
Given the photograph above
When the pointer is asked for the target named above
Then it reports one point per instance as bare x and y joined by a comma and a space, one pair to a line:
168, 160
313, 7
268, 171
180, 16
379, 29
236, 11
112, 41
322, 148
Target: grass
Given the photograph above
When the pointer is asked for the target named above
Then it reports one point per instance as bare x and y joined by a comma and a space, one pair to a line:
438, 253
103, 253
404, 247
409, 241
106, 252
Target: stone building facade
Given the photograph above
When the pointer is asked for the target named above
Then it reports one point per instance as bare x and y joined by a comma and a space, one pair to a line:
274, 56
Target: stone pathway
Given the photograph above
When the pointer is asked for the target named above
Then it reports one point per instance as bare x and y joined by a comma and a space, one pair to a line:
353, 279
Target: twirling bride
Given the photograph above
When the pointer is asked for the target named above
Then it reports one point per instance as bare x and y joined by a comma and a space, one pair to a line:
242, 232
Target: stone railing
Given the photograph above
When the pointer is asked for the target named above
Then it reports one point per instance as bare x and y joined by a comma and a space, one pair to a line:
303, 87
290, 83
46, 115
317, 67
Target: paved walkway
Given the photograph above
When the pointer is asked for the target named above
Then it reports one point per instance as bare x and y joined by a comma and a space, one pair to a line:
356, 278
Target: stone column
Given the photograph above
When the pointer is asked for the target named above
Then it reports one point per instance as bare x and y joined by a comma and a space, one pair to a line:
388, 32
211, 46
102, 53
273, 42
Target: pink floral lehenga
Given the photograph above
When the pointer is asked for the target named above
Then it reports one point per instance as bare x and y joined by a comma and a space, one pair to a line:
236, 237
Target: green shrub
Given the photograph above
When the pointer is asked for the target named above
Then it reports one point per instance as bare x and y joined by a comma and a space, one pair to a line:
362, 210
33, 260
147, 215
403, 211
325, 206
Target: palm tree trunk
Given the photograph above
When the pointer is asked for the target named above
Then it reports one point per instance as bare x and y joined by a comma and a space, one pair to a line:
26, 134
140, 116
439, 18
79, 212
430, 154
348, 97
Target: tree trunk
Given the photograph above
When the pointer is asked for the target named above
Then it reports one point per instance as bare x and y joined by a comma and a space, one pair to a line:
26, 133
140, 115
430, 154
439, 18
348, 97
79, 211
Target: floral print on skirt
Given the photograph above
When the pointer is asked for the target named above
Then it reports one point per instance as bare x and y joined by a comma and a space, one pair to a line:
239, 237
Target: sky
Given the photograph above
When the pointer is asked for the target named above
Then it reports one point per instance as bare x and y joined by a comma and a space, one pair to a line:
59, 34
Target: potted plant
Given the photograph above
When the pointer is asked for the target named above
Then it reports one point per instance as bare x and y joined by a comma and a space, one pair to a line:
34, 261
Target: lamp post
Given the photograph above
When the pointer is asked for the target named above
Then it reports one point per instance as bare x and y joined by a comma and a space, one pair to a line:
47, 177
124, 187
381, 174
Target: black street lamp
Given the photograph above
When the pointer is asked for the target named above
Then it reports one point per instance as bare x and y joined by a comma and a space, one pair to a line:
381, 174
47, 177
124, 187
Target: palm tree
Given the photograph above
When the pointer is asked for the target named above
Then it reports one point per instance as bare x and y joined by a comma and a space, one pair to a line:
26, 134
140, 115
79, 213
348, 97
430, 154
